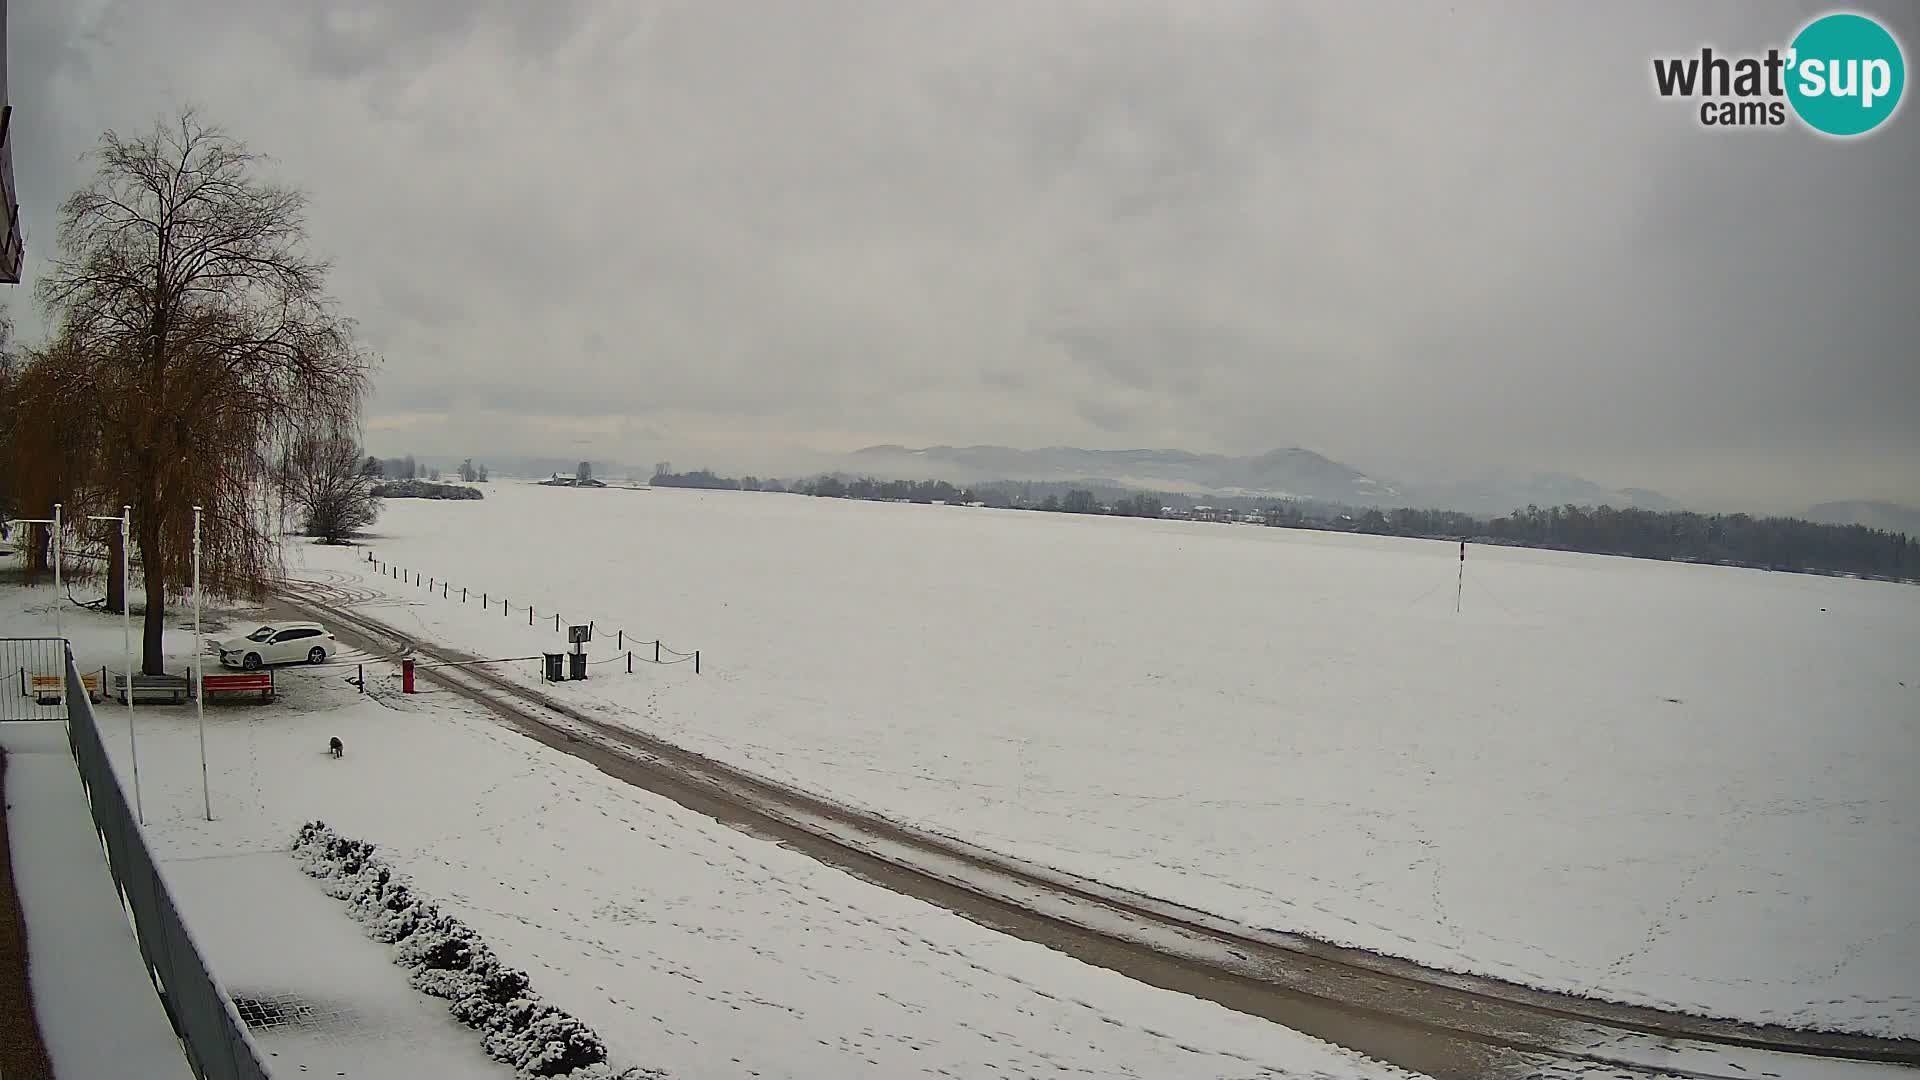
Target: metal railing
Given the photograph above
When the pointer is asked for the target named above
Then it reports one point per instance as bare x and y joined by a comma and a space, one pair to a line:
33, 682
203, 1014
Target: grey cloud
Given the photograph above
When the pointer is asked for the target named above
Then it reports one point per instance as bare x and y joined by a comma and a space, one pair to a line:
748, 231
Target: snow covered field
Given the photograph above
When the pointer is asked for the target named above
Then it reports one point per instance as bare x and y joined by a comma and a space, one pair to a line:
688, 946
1674, 785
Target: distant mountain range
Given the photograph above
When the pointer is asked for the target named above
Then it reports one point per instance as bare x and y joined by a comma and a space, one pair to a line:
1875, 515
1292, 473
1295, 472
1496, 491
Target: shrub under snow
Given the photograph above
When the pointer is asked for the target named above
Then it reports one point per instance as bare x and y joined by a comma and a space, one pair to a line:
445, 958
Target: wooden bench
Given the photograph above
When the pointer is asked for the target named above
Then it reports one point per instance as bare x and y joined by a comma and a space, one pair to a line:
52, 689
252, 682
163, 689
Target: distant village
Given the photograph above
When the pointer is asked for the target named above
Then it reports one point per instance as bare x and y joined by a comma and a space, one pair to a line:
580, 477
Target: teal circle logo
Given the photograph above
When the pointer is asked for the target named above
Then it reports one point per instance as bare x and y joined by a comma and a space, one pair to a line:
1845, 74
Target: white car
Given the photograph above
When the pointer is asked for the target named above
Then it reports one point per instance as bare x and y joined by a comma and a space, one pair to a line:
281, 643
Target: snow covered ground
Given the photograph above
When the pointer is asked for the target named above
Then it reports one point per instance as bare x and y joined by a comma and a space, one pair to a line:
97, 1008
1682, 786
688, 946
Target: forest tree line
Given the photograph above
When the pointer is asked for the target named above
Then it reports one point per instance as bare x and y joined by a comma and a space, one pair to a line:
1774, 543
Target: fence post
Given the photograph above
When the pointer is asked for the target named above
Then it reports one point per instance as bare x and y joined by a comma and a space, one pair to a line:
529, 614
656, 650
363, 678
556, 622
463, 594
629, 661
443, 590
619, 639
696, 661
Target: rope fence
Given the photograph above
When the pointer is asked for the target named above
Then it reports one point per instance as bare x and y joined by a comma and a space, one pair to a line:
632, 652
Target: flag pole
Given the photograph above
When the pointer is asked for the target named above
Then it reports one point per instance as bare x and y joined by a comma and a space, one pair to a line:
59, 594
199, 670
126, 633
125, 519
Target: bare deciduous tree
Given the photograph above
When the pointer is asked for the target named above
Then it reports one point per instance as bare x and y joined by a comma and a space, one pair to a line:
327, 483
207, 340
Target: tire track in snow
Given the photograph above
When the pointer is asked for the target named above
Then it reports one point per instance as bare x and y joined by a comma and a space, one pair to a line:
1441, 1023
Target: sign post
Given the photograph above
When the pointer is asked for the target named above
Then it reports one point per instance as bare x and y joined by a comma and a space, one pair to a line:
578, 636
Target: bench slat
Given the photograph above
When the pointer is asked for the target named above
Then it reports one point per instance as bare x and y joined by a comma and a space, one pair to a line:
250, 683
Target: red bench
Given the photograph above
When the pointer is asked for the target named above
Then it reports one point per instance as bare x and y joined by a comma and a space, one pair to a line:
252, 682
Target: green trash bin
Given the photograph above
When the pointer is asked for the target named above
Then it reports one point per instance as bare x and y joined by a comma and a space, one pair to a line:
556, 666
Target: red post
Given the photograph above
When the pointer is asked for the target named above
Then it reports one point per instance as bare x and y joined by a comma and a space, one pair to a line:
406, 675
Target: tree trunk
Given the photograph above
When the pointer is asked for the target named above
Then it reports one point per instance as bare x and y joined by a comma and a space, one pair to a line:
39, 540
116, 580
153, 660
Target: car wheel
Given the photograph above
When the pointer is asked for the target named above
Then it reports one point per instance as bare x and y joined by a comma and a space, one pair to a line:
316, 655
252, 662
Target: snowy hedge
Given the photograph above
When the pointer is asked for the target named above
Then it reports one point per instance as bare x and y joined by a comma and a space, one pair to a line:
445, 958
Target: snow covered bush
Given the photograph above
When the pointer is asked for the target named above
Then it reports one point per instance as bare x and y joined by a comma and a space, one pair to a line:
446, 959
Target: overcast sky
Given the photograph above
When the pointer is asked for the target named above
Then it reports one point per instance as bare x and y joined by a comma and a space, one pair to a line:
736, 233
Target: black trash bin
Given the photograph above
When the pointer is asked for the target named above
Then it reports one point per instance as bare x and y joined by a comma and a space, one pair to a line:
555, 666
576, 665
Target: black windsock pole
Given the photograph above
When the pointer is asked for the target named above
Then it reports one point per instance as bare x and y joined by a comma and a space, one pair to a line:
1460, 580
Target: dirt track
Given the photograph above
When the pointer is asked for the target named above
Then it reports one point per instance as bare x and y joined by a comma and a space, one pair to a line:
1435, 1022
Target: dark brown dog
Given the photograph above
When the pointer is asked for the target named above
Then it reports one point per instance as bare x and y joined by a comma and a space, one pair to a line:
336, 746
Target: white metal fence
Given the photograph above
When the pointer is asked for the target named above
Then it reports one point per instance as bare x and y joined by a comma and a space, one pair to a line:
203, 1013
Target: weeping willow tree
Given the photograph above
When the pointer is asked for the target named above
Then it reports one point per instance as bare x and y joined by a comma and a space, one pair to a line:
197, 336
52, 448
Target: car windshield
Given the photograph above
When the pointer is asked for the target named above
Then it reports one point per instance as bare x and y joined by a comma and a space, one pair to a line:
261, 634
